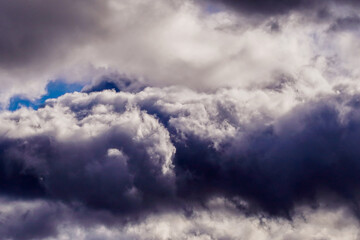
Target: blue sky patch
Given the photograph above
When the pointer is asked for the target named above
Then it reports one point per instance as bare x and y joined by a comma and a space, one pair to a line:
54, 89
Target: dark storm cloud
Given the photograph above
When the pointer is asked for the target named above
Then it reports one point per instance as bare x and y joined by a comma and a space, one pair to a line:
307, 153
115, 82
36, 221
267, 7
85, 172
121, 150
32, 31
269, 168
304, 156
15, 179
279, 7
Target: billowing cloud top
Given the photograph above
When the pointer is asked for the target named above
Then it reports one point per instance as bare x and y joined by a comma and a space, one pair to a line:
196, 119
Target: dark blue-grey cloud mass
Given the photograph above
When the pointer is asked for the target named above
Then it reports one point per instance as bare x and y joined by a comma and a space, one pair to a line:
301, 158
280, 7
93, 173
115, 82
38, 222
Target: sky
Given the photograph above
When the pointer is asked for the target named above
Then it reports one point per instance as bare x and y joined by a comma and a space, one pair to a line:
179, 119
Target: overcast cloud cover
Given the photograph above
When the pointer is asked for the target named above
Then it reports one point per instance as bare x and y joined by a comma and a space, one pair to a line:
198, 119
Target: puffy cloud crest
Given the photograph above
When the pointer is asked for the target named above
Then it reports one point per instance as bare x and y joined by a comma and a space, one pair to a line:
132, 152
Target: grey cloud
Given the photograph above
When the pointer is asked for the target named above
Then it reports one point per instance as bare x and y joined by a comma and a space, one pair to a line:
34, 31
346, 24
168, 43
304, 154
125, 168
132, 154
23, 220
124, 151
267, 7
274, 7
115, 82
220, 220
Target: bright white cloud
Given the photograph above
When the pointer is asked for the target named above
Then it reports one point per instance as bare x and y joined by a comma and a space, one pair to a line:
178, 42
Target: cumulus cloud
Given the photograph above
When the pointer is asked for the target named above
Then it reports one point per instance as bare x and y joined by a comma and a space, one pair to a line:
29, 219
36, 219
197, 120
66, 154
169, 43
158, 150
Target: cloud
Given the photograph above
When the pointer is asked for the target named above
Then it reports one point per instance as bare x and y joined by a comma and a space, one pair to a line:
254, 106
221, 220
301, 158
115, 82
33, 31
346, 23
282, 7
29, 219
168, 43
159, 150
37, 37
123, 168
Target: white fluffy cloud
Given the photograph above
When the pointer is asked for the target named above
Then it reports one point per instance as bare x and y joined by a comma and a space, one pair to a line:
179, 42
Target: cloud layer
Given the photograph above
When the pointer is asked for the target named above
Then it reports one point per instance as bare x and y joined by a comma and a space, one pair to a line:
177, 42
221, 222
197, 120
131, 154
